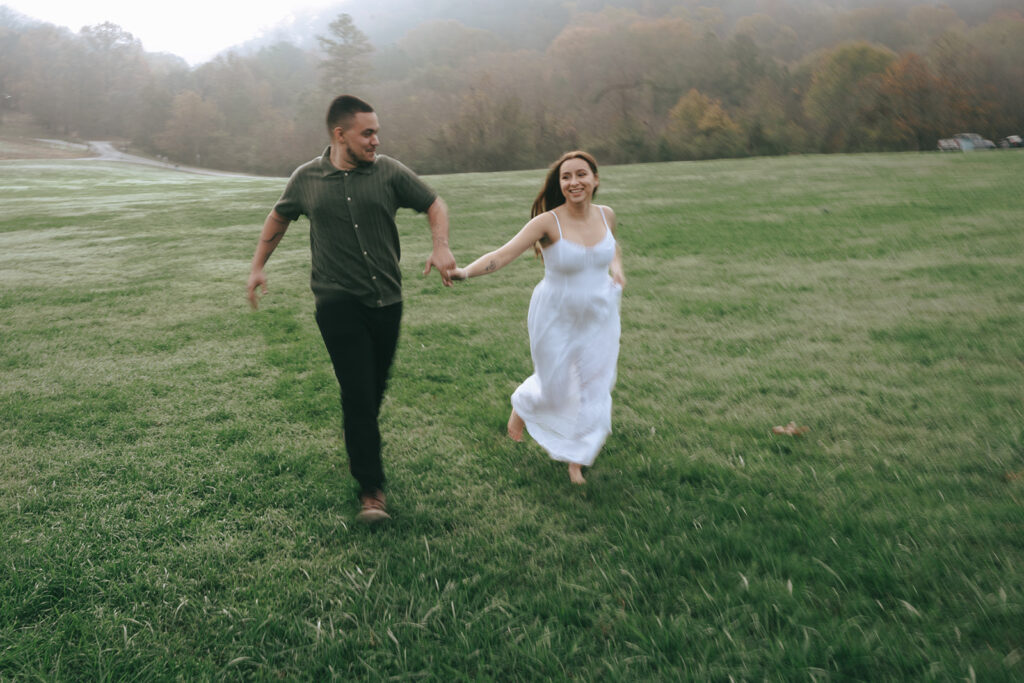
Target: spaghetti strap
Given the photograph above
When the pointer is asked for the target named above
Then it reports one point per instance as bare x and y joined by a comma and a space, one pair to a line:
601, 209
558, 223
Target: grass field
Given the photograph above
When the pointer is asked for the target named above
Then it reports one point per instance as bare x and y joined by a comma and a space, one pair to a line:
174, 503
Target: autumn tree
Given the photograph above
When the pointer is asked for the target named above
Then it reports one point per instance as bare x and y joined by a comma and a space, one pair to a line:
193, 129
626, 71
47, 84
699, 128
346, 65
113, 74
843, 97
968, 99
772, 117
231, 84
486, 131
913, 101
999, 42
595, 62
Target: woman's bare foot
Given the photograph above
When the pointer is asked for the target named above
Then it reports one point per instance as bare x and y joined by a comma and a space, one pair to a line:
515, 426
576, 474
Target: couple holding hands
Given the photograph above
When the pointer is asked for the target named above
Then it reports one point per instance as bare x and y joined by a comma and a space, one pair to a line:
350, 194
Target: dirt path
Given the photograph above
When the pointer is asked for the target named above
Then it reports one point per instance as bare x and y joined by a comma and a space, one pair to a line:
105, 151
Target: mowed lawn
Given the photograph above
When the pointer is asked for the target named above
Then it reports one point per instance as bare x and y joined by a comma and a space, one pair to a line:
175, 501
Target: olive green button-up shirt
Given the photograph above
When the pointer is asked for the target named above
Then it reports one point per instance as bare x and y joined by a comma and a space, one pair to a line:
352, 232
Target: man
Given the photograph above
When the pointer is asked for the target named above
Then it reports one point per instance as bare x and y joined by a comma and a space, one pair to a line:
350, 195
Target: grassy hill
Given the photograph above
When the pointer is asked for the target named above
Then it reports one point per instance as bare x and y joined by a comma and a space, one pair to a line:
174, 502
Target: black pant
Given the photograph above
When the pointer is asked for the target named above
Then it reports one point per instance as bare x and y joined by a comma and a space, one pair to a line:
361, 342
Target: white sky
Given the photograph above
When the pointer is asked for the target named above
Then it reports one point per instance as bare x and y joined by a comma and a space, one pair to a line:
194, 29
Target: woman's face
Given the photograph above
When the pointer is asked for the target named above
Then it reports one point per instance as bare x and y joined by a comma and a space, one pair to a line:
577, 181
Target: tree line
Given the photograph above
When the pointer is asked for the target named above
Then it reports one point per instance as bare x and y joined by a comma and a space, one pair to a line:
630, 81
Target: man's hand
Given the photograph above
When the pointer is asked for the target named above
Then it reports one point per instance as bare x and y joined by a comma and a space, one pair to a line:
257, 280
273, 230
442, 259
441, 256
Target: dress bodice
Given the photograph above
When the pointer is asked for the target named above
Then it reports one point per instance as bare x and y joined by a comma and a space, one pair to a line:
566, 260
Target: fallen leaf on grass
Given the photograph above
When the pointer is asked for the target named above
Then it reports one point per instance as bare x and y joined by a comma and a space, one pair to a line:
791, 429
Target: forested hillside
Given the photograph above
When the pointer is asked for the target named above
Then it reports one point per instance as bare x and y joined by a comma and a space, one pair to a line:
480, 85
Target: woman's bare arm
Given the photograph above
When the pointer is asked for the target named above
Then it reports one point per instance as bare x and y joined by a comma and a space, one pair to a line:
538, 228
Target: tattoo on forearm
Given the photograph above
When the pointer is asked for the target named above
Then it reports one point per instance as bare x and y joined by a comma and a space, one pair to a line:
491, 266
275, 237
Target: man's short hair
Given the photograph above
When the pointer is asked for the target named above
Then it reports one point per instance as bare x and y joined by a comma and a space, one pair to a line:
343, 108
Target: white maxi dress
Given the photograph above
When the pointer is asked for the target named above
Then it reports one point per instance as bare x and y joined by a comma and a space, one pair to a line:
574, 341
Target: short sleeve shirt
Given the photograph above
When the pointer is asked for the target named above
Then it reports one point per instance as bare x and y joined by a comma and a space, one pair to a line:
353, 236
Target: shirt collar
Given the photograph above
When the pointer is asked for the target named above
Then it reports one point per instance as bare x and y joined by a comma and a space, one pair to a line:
327, 168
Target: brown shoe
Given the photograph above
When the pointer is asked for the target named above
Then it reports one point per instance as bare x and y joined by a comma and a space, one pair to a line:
373, 507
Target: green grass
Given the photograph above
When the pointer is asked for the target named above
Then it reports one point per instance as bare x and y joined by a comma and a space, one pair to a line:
175, 504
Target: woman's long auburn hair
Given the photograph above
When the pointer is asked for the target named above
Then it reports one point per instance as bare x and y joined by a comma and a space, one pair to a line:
550, 195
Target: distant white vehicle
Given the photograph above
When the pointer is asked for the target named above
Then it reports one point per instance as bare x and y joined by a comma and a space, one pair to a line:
965, 142
1011, 141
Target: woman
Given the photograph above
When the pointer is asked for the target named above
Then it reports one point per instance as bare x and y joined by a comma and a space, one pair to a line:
566, 404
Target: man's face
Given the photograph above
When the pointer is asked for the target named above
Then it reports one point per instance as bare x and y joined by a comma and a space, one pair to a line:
358, 142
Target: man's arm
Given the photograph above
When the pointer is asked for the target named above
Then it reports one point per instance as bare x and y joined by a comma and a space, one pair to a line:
270, 236
441, 256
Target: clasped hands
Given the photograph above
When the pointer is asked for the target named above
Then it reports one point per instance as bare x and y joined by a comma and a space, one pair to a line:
442, 259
